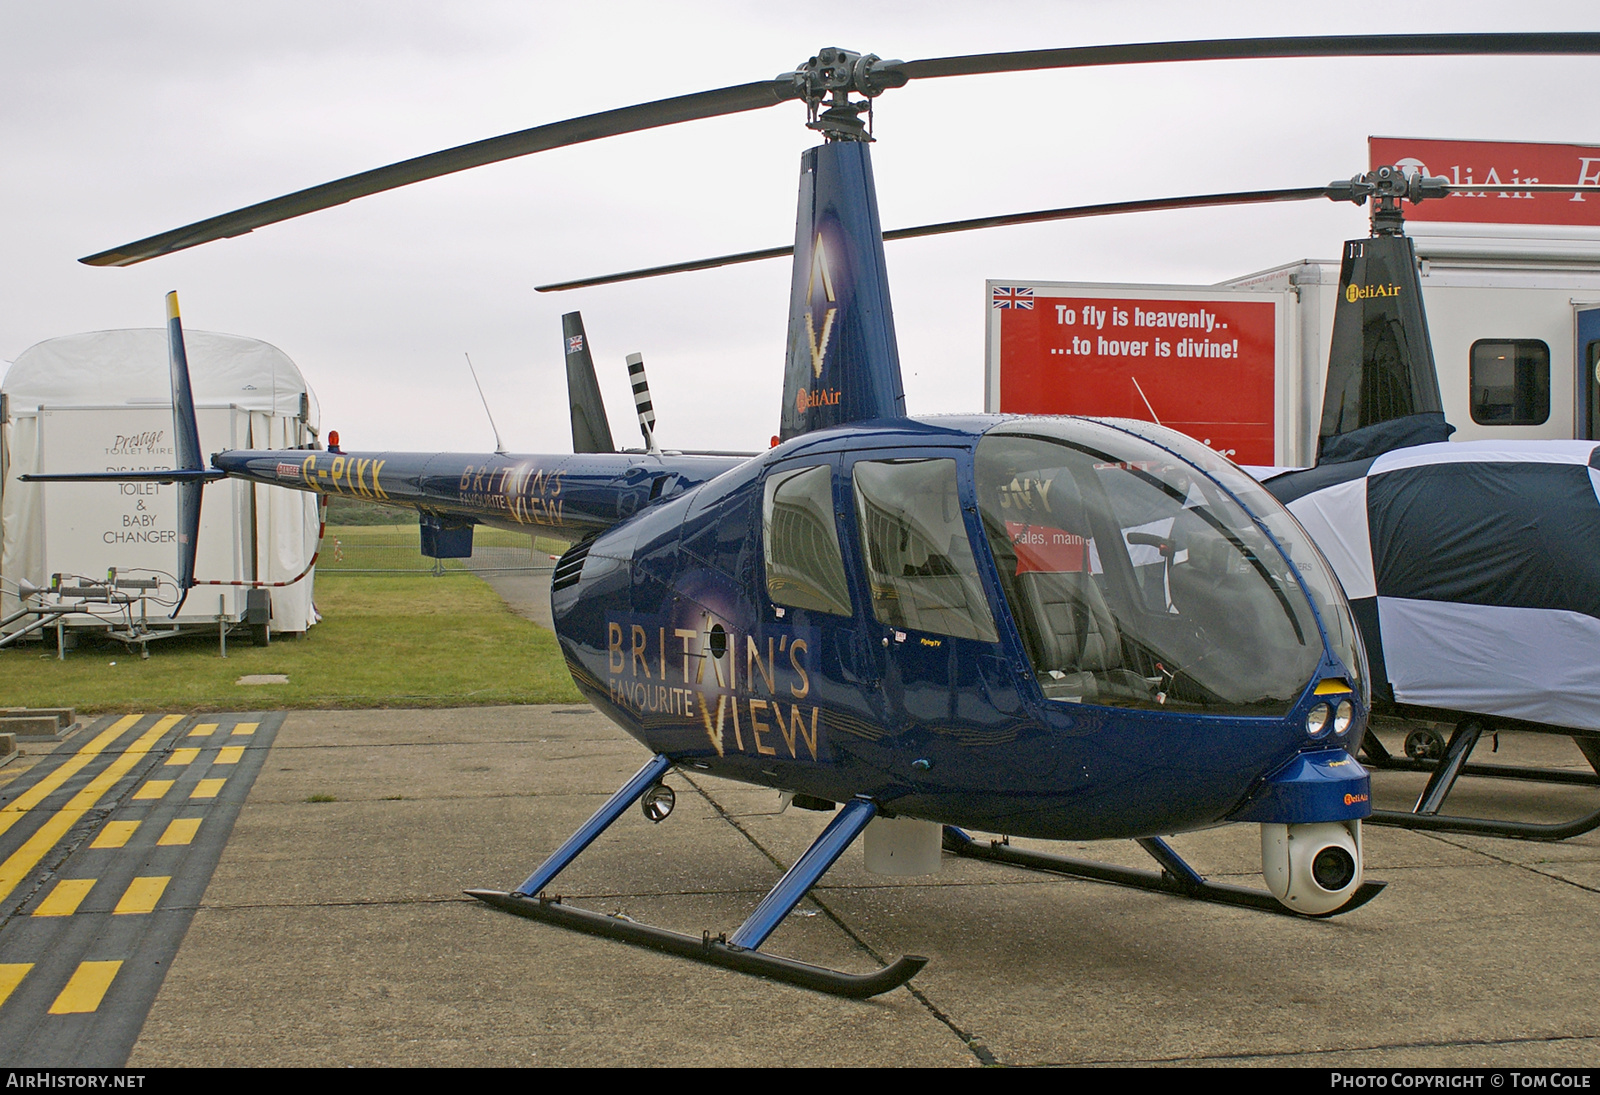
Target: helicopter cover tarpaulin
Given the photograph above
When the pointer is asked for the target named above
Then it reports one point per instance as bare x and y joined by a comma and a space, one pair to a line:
1473, 572
62, 397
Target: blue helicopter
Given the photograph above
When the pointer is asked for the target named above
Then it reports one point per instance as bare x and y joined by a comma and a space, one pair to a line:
1057, 628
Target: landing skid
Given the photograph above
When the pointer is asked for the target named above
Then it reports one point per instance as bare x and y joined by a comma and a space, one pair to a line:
1175, 877
738, 952
1453, 765
712, 951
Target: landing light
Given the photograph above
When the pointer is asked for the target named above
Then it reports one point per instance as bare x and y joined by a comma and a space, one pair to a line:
658, 802
1317, 719
1342, 716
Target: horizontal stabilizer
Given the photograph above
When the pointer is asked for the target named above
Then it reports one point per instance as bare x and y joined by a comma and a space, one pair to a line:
166, 475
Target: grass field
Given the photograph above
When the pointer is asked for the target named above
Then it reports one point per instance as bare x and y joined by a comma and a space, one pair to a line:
384, 641
396, 547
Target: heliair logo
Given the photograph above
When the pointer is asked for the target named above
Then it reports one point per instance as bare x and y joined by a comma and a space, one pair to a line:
804, 400
1353, 293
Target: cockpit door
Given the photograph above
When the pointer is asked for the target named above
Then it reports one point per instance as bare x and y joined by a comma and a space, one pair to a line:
813, 590
927, 605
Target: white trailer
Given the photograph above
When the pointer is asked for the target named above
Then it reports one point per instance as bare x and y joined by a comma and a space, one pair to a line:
1514, 318
100, 402
1513, 314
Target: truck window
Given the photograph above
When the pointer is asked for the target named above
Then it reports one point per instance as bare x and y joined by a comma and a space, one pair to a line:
1510, 382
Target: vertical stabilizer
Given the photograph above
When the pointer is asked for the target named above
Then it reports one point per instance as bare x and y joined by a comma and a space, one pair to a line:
186, 437
1383, 389
591, 431
842, 363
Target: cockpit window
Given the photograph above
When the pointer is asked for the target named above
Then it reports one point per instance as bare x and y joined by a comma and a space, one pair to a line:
804, 566
1135, 580
919, 561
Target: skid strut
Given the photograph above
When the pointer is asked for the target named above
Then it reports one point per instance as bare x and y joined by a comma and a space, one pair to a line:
1175, 877
1453, 765
740, 951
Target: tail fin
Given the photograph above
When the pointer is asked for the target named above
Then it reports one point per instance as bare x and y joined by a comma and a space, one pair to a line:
186, 434
842, 364
591, 431
1383, 389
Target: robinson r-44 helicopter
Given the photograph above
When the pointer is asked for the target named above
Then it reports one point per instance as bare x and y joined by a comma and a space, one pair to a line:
938, 620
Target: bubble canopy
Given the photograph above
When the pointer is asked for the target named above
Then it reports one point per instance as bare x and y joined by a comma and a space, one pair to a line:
1143, 570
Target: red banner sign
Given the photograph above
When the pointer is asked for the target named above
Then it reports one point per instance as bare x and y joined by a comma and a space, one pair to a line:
1499, 167
1203, 367
1047, 549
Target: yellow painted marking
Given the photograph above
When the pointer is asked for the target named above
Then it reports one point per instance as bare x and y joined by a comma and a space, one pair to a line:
116, 834
230, 754
11, 975
183, 756
141, 895
245, 728
204, 730
154, 788
86, 988
13, 811
172, 305
65, 898
207, 788
1330, 686
24, 859
180, 831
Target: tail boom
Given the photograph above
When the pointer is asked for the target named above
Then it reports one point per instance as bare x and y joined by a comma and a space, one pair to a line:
570, 496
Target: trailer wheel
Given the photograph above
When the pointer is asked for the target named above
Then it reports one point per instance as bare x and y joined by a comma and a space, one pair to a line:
260, 635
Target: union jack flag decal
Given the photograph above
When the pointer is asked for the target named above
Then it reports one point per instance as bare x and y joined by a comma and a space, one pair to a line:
1006, 296
574, 344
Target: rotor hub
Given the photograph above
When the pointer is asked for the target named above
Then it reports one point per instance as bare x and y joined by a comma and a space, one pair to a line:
1387, 187
826, 83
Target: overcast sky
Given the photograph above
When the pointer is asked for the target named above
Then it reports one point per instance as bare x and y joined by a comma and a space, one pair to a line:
119, 119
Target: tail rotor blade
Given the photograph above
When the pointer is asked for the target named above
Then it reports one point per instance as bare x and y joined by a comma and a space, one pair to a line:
641, 401
185, 429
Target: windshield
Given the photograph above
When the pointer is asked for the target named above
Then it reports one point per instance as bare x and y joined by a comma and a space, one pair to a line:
1326, 592
1135, 580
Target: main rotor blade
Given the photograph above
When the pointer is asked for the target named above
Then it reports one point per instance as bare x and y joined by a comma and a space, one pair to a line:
1239, 49
764, 93
608, 123
1192, 201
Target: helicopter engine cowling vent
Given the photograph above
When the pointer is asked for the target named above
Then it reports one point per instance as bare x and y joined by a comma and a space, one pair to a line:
569, 569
